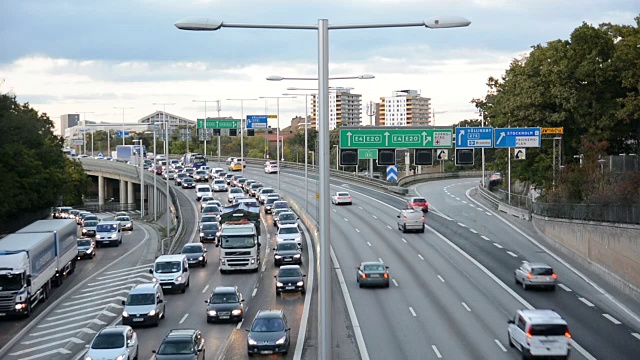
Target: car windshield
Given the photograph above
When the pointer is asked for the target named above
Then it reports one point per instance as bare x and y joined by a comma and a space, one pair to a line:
192, 249
286, 216
123, 218
108, 341
238, 242
228, 298
342, 194
206, 198
11, 282
235, 191
181, 175
90, 223
141, 299
267, 325
90, 217
107, 228
288, 246
211, 209
176, 347
187, 180
84, 242
548, 329
168, 267
288, 230
374, 267
267, 191
210, 226
201, 172
289, 273
281, 205
209, 219
219, 182
419, 200
542, 271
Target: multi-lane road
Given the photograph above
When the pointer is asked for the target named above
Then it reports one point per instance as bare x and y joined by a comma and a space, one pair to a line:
451, 293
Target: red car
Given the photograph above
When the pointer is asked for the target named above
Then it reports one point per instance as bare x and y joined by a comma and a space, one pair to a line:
418, 203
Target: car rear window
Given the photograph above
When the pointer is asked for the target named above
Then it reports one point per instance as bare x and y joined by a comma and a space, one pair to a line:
374, 268
419, 200
542, 271
548, 330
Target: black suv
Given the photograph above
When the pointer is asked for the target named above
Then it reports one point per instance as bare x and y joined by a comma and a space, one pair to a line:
269, 333
181, 344
287, 252
290, 279
209, 232
225, 304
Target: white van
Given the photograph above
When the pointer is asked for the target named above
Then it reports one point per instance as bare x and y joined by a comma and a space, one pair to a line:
108, 233
144, 305
539, 333
410, 220
203, 190
171, 272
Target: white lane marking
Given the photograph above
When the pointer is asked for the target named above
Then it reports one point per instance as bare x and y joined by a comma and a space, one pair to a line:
183, 318
480, 209
466, 306
412, 312
472, 205
488, 213
394, 282
440, 277
500, 345
368, 243
464, 202
565, 288
360, 207
420, 256
205, 288
486, 238
458, 199
512, 253
575, 271
389, 227
129, 269
445, 217
404, 240
587, 302
357, 230
375, 217
612, 319
497, 245
334, 210
461, 224
239, 324
345, 219
72, 339
636, 335
452, 195
473, 231
435, 350
255, 290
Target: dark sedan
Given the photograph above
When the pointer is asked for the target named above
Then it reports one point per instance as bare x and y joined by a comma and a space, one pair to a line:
290, 279
287, 252
209, 232
196, 254
188, 183
225, 304
179, 177
373, 273
269, 333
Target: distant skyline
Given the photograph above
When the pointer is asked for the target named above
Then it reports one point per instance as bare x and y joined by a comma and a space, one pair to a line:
75, 56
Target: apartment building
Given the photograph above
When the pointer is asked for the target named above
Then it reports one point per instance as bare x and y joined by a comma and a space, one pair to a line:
345, 108
404, 108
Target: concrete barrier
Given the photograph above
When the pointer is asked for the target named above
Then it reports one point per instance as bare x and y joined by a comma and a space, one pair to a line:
515, 211
398, 190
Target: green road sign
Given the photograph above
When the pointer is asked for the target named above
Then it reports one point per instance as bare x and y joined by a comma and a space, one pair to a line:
386, 138
217, 124
367, 153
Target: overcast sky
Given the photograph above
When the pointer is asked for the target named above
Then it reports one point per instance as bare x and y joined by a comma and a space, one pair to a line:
70, 56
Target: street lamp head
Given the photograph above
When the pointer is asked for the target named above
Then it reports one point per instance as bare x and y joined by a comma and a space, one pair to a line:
275, 78
443, 22
366, 77
198, 24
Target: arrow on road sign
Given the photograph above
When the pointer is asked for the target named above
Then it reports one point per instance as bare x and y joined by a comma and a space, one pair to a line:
460, 137
425, 138
442, 155
349, 136
500, 138
520, 154
386, 138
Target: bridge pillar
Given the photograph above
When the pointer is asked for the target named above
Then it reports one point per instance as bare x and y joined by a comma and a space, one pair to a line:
131, 196
123, 192
100, 190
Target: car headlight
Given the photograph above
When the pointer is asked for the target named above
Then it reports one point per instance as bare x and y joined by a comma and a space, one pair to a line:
201, 234
277, 256
89, 250
128, 225
281, 340
298, 239
84, 230
300, 283
179, 278
251, 341
152, 312
236, 312
125, 314
296, 256
88, 358
200, 258
98, 237
278, 284
154, 279
121, 357
211, 312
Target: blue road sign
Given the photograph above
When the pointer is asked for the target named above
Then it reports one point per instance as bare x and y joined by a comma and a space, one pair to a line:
119, 134
516, 137
100, 154
392, 173
474, 137
257, 121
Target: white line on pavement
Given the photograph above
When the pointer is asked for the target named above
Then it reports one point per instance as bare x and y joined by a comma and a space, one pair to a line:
404, 240
486, 238
512, 253
586, 302
636, 335
565, 288
440, 277
420, 256
345, 219
461, 224
368, 243
500, 345
466, 306
412, 312
389, 227
497, 245
357, 230
394, 282
375, 217
380, 259
435, 350
488, 213
205, 288
183, 318
473, 231
612, 319
239, 324
255, 290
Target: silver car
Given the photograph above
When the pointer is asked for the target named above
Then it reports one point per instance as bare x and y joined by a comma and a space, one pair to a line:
341, 197
289, 233
114, 342
536, 274
219, 185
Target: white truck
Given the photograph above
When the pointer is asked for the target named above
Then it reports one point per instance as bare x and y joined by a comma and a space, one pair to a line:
27, 269
239, 246
65, 232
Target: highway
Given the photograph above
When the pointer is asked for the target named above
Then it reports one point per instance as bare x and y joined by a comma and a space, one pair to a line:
453, 286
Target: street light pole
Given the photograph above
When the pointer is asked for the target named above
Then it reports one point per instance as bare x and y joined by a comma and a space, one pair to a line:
84, 130
123, 109
242, 130
206, 131
278, 130
155, 186
166, 158
371, 111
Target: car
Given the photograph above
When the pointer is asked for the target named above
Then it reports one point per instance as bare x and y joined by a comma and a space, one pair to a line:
182, 344
196, 254
219, 185
204, 200
189, 171
531, 274
268, 333
290, 279
92, 217
235, 166
225, 304
248, 183
286, 217
238, 199
81, 216
234, 180
287, 253
247, 201
208, 218
121, 213
211, 210
253, 189
144, 305
280, 204
211, 203
269, 201
229, 161
178, 168
410, 219
188, 183
209, 231
114, 342
495, 179
61, 212
221, 175
227, 178
213, 172
86, 248
233, 192
108, 233
241, 161
168, 174
418, 203
271, 168
177, 180
289, 233
240, 182
157, 169
539, 333
200, 175
203, 190
372, 273
89, 228
263, 193
125, 222
275, 214
341, 197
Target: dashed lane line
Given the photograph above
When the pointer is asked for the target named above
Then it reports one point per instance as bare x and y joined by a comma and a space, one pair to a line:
565, 287
473, 231
497, 245
466, 306
420, 256
500, 345
586, 302
435, 350
440, 277
512, 253
486, 238
612, 319
412, 312
368, 243
184, 318
394, 282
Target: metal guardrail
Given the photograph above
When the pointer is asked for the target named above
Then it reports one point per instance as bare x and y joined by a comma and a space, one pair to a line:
614, 213
412, 179
488, 195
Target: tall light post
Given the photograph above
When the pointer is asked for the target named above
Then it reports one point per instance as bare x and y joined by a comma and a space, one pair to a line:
166, 158
371, 111
155, 163
278, 129
206, 131
242, 130
323, 27
84, 130
123, 109
141, 169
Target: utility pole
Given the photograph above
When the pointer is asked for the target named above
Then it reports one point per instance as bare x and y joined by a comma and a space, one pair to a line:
84, 131
123, 109
166, 158
371, 111
242, 125
206, 131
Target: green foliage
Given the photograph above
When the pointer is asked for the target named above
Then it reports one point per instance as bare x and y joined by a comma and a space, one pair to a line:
36, 172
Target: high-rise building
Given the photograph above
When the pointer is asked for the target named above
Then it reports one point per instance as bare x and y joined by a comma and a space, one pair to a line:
405, 108
66, 121
345, 108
